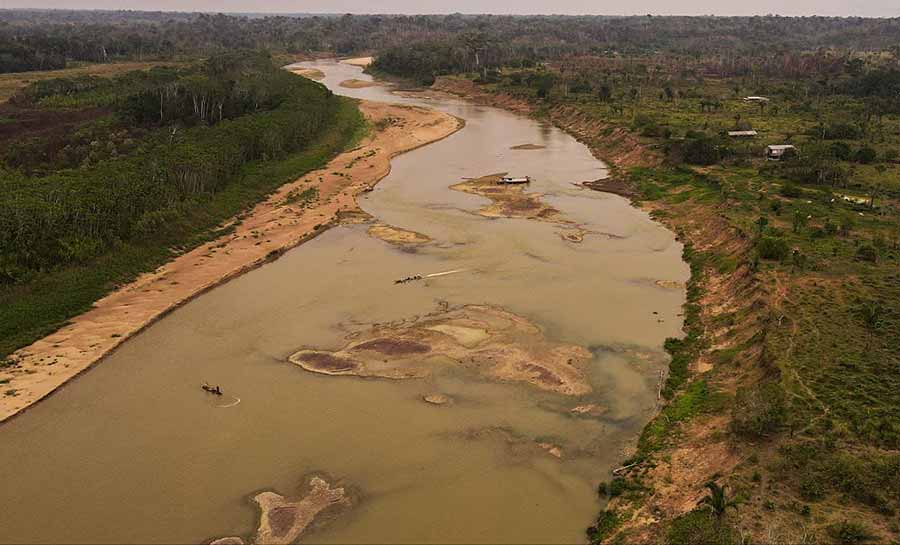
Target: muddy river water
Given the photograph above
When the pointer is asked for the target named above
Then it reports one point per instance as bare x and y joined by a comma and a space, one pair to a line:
133, 451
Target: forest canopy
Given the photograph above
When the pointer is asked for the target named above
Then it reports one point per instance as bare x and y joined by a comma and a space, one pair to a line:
155, 144
39, 40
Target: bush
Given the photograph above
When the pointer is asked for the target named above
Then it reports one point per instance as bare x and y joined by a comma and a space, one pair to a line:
791, 190
774, 248
841, 151
867, 252
758, 410
840, 131
700, 528
606, 523
850, 533
702, 151
865, 155
811, 488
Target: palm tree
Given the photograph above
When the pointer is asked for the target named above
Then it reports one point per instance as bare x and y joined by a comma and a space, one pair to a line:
872, 313
717, 500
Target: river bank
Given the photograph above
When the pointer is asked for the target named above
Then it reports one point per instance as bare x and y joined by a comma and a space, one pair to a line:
672, 471
292, 215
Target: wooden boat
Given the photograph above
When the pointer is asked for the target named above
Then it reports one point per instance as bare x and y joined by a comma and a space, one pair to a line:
515, 180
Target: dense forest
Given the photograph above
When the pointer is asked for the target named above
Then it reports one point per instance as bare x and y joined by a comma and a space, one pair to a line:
170, 136
110, 174
36, 40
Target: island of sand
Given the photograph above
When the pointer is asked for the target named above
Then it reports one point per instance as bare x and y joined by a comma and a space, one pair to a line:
508, 200
283, 520
284, 220
491, 341
397, 236
357, 83
512, 201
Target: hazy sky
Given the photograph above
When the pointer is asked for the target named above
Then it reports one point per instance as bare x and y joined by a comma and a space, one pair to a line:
867, 8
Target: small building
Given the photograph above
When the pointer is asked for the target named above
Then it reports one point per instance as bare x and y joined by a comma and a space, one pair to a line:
742, 134
756, 99
514, 180
776, 152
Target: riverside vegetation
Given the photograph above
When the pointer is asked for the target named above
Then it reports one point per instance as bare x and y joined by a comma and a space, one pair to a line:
782, 397
104, 178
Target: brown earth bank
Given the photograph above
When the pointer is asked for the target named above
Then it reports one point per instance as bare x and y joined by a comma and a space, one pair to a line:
699, 451
492, 341
273, 226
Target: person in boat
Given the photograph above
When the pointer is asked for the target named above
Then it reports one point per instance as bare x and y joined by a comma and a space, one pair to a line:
213, 390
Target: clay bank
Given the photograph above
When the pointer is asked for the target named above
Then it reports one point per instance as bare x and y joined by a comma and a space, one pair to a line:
480, 401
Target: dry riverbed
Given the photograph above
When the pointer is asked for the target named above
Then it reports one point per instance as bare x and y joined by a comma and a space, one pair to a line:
273, 226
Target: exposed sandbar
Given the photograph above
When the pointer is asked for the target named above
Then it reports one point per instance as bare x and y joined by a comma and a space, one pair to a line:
258, 236
490, 340
311, 73
359, 61
508, 200
357, 83
397, 236
283, 520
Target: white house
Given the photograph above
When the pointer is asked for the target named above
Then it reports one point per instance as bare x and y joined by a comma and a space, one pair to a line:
776, 152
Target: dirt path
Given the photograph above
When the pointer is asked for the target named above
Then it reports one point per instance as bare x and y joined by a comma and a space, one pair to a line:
280, 222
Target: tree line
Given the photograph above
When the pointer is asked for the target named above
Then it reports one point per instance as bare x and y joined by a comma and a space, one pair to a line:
223, 120
32, 40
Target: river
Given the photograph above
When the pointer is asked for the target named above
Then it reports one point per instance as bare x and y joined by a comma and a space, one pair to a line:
133, 452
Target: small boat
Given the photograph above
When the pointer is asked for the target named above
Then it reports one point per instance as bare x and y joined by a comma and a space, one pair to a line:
515, 180
211, 389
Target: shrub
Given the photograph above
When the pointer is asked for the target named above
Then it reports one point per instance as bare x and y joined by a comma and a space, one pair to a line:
791, 190
700, 528
867, 252
758, 410
865, 155
774, 248
702, 151
840, 150
811, 488
845, 131
850, 533
606, 522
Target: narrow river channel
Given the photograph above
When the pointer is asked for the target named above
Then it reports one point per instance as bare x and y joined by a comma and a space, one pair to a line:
133, 452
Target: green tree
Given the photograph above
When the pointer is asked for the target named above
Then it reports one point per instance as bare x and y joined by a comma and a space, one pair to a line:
872, 314
717, 500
